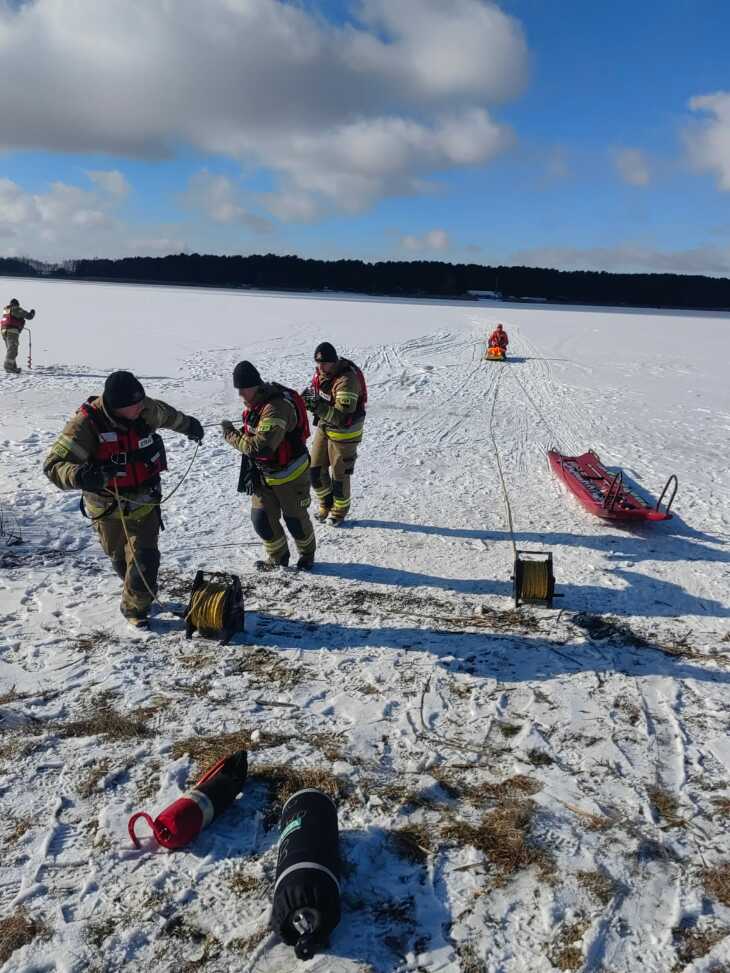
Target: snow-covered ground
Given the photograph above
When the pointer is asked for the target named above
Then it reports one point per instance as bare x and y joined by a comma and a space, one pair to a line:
559, 778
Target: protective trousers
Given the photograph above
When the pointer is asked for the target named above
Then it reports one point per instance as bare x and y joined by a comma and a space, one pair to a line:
142, 545
290, 500
11, 337
332, 466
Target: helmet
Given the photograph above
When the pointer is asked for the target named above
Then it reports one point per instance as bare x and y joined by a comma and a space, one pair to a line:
14, 302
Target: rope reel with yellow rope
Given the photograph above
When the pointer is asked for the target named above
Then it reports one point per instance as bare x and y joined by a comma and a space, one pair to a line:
215, 608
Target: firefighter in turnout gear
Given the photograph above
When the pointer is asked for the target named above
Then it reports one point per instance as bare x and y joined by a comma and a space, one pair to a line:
11, 324
337, 398
274, 465
110, 449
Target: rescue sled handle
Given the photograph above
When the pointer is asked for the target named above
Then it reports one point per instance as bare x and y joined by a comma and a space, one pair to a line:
672, 495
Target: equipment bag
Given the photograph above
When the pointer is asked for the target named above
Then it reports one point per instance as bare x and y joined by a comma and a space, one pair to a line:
306, 906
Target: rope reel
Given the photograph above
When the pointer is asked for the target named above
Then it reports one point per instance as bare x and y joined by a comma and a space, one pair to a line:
533, 578
215, 608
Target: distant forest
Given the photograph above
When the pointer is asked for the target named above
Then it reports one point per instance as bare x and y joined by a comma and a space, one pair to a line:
414, 278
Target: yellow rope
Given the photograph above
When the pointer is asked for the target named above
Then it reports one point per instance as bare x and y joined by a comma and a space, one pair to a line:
207, 607
535, 580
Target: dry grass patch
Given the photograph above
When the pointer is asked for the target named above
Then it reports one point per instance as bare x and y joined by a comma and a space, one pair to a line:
722, 805
17, 827
87, 785
665, 805
205, 751
101, 719
599, 884
479, 794
566, 951
717, 882
266, 668
503, 836
98, 638
16, 931
148, 787
242, 882
693, 943
247, 944
414, 843
469, 962
283, 780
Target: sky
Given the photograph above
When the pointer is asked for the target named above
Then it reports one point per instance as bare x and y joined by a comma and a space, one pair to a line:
565, 134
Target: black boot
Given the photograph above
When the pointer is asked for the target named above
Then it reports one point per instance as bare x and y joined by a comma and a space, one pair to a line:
305, 562
270, 564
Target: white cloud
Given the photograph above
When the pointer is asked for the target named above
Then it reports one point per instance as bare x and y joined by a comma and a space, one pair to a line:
629, 259
217, 197
68, 221
708, 140
434, 240
345, 115
110, 181
633, 166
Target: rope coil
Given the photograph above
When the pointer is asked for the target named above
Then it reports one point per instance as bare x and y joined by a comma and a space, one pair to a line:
207, 607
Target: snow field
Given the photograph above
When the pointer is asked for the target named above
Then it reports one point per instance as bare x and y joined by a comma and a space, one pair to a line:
589, 741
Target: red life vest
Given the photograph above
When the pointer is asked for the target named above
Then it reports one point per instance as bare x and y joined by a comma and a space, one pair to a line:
498, 339
137, 451
294, 442
362, 399
9, 320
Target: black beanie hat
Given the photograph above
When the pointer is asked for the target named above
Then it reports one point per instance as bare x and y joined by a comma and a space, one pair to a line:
245, 376
122, 389
325, 352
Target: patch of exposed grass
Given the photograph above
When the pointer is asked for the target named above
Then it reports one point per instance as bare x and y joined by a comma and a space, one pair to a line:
242, 882
414, 843
599, 884
665, 805
479, 794
566, 951
16, 746
175, 585
17, 827
629, 707
717, 882
692, 943
87, 785
148, 787
96, 933
722, 805
89, 642
469, 962
101, 719
18, 930
330, 744
266, 668
400, 795
205, 751
509, 729
503, 836
245, 945
284, 780
538, 758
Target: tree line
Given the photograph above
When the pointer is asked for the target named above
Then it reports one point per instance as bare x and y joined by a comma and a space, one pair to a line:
413, 278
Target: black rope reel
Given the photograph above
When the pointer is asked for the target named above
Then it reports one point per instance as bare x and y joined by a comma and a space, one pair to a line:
533, 579
215, 608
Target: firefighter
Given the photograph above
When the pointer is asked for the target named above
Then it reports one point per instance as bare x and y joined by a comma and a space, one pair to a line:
109, 449
11, 324
273, 440
337, 399
498, 338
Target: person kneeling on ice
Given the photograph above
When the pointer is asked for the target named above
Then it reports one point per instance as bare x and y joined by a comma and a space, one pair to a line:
11, 324
498, 338
109, 449
274, 465
337, 398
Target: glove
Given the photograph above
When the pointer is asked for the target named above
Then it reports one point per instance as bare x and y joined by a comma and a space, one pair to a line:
31, 314
227, 426
310, 398
92, 477
195, 431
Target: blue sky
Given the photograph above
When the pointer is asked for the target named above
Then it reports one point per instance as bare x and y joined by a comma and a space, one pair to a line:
566, 134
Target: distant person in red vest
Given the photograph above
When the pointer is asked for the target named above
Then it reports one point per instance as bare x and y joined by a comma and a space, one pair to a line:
499, 338
11, 324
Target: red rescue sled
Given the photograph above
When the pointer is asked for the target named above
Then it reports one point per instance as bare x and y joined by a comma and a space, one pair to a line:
495, 353
604, 494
